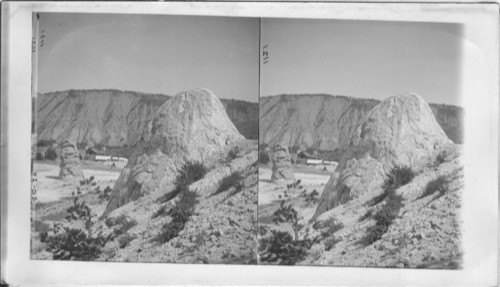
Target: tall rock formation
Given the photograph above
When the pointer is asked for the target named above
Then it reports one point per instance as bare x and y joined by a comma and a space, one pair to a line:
190, 127
327, 122
282, 165
70, 163
400, 131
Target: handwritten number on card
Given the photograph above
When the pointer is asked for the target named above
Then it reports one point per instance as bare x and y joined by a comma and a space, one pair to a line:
42, 38
265, 55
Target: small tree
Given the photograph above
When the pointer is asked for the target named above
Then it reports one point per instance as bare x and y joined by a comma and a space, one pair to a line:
73, 243
287, 214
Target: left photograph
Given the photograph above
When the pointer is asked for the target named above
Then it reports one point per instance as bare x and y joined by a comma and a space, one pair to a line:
144, 138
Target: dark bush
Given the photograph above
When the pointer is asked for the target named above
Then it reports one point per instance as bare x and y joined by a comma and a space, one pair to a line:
161, 211
190, 173
398, 177
330, 242
75, 244
124, 224
233, 153
124, 240
439, 184
282, 249
180, 214
440, 158
365, 216
383, 218
51, 154
263, 158
332, 226
287, 214
105, 195
232, 180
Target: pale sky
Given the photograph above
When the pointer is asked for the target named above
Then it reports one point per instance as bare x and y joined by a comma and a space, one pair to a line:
365, 59
150, 53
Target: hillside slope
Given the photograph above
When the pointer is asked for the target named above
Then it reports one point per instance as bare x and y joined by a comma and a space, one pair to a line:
327, 122
116, 118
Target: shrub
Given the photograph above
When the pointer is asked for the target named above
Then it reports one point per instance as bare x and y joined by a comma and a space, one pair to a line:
398, 177
232, 180
51, 154
124, 241
332, 226
280, 247
161, 211
367, 215
105, 194
440, 158
439, 184
330, 242
190, 173
287, 214
74, 244
233, 153
125, 223
71, 243
383, 218
312, 197
180, 214
263, 158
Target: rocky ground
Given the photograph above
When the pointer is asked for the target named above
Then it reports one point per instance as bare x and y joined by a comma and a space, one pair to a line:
309, 179
425, 234
222, 229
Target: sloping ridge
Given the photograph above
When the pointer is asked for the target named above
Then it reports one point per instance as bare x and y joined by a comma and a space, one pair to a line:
327, 122
400, 131
115, 118
190, 127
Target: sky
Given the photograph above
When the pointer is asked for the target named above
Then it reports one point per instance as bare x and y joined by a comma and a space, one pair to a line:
150, 53
365, 59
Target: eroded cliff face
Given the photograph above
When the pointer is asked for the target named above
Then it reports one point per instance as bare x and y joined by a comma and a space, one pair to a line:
115, 118
327, 122
112, 117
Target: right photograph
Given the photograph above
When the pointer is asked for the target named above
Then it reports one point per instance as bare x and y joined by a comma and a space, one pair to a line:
360, 144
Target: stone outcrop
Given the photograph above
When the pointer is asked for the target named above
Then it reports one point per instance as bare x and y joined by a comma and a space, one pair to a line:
282, 165
400, 131
190, 127
70, 162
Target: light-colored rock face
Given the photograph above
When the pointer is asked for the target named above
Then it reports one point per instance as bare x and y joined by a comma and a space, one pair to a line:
190, 127
70, 163
327, 122
399, 131
282, 165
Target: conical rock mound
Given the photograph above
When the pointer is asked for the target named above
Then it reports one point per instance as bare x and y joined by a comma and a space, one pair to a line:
399, 131
190, 127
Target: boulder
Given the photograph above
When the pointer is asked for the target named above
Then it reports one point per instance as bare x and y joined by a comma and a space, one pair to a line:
282, 165
190, 127
70, 163
400, 131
